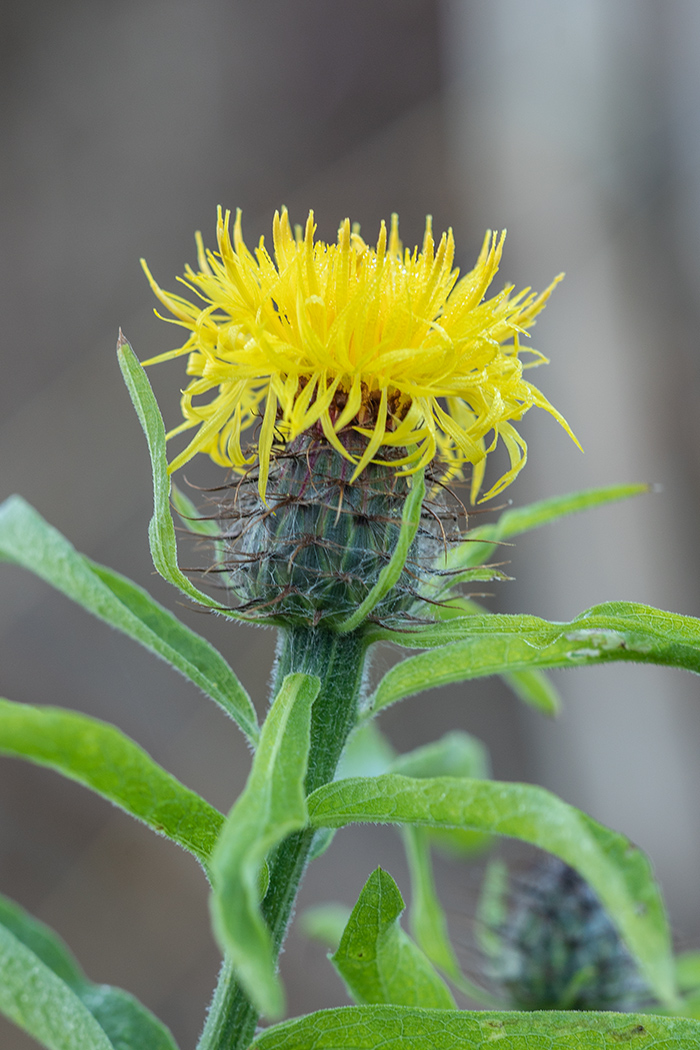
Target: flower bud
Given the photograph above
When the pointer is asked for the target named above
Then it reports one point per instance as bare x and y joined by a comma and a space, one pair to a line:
557, 949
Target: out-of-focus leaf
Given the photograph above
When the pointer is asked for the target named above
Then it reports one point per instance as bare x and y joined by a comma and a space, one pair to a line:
26, 539
688, 971
325, 923
367, 753
492, 909
123, 1019
427, 918
104, 759
618, 872
482, 542
271, 807
38, 1001
378, 961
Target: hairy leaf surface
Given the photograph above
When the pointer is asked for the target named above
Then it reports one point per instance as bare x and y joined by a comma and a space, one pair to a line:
378, 961
101, 757
271, 807
476, 646
52, 1005
618, 871
403, 1028
28, 540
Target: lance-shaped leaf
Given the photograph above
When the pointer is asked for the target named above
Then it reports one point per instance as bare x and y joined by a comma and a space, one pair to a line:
104, 759
271, 807
483, 540
378, 961
619, 873
44, 991
536, 690
532, 687
427, 918
476, 646
161, 531
39, 1002
688, 971
28, 540
455, 754
405, 1028
410, 520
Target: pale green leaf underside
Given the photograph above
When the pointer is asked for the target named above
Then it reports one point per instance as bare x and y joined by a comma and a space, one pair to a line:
455, 754
28, 540
410, 520
619, 872
403, 1028
427, 919
124, 1020
325, 923
271, 807
161, 531
38, 1001
688, 971
476, 646
518, 520
378, 961
102, 758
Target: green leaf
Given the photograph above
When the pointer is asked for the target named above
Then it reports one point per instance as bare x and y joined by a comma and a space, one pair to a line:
367, 753
161, 531
476, 646
688, 971
271, 807
618, 872
325, 923
536, 690
410, 520
492, 908
518, 520
378, 962
189, 514
193, 521
26, 539
104, 759
49, 1006
427, 918
404, 1028
39, 1002
457, 754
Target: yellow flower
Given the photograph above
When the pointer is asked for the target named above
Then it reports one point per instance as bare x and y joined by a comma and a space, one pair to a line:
345, 339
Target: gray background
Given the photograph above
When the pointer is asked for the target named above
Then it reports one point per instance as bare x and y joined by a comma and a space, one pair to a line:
123, 125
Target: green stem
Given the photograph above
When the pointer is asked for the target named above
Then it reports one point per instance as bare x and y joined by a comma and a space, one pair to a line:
338, 660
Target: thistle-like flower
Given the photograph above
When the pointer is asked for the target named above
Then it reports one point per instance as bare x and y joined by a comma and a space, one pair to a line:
346, 340
351, 368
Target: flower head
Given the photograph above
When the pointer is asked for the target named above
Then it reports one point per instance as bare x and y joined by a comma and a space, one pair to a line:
347, 339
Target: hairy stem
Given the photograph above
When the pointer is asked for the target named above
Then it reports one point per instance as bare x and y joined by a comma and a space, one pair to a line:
338, 660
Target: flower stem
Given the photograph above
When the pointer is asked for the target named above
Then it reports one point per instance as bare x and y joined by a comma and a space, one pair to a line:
338, 660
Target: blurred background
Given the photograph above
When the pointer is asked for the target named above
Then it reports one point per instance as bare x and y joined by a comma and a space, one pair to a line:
123, 124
